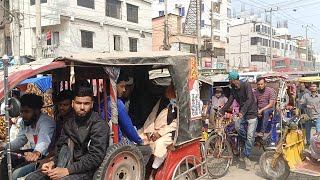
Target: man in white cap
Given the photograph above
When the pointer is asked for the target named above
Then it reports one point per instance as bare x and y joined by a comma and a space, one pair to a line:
219, 100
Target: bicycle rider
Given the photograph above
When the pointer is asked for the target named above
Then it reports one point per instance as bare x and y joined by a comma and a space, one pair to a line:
242, 93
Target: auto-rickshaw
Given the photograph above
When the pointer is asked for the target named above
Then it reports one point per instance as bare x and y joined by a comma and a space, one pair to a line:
288, 155
186, 157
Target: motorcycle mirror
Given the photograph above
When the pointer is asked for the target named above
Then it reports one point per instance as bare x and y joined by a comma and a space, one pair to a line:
14, 107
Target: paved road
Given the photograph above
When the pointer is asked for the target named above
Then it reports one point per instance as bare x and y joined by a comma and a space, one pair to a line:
237, 171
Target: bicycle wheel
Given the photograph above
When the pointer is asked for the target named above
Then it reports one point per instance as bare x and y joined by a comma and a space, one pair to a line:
219, 156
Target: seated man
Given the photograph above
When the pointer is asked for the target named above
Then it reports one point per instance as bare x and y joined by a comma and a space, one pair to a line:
158, 129
219, 100
90, 136
36, 128
266, 99
65, 112
125, 124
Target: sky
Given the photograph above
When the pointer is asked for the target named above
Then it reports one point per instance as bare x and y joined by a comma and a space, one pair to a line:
299, 13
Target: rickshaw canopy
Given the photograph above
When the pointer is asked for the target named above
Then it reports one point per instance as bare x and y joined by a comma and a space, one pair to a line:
182, 68
309, 79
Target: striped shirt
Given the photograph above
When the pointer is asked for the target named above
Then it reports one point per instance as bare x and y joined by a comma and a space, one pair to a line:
264, 97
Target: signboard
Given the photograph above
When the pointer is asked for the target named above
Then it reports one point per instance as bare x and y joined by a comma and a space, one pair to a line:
194, 91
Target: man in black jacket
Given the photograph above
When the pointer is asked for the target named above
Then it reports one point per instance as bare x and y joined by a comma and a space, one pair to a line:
90, 136
242, 93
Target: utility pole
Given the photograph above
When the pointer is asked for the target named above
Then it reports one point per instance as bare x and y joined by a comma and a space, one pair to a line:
38, 31
16, 31
166, 32
199, 33
212, 25
285, 45
240, 57
307, 41
271, 33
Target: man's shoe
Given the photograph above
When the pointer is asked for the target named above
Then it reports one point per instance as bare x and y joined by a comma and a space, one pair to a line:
247, 163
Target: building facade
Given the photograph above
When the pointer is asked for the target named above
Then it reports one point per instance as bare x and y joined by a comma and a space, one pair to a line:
221, 14
70, 27
249, 45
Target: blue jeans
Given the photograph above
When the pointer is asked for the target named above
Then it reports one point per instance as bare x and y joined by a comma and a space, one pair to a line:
265, 119
23, 171
248, 135
308, 125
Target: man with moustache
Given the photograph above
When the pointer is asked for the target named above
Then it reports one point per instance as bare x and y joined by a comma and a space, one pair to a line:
37, 128
266, 99
90, 136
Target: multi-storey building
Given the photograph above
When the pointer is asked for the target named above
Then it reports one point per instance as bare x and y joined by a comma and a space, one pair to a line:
249, 45
70, 27
221, 14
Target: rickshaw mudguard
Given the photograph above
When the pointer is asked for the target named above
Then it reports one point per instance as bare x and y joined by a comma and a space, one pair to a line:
294, 146
175, 155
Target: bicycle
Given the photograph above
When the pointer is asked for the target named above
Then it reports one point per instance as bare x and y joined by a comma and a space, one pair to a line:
219, 153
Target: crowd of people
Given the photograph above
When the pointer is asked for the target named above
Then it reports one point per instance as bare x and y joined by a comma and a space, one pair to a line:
72, 145
254, 108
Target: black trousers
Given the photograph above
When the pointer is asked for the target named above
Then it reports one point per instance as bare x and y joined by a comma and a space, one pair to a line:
38, 175
15, 162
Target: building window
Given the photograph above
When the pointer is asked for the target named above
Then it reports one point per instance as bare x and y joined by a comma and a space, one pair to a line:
229, 1
255, 40
33, 2
133, 44
265, 42
161, 1
87, 39
263, 29
229, 13
228, 27
268, 30
258, 28
117, 43
202, 7
277, 45
282, 46
202, 23
161, 13
216, 8
182, 11
52, 38
113, 9
86, 3
217, 24
132, 13
290, 47
258, 58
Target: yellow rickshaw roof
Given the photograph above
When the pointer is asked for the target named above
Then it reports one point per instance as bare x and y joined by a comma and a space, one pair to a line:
309, 79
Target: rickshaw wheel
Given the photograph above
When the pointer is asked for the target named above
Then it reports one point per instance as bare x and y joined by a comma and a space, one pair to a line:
123, 161
189, 176
218, 162
280, 172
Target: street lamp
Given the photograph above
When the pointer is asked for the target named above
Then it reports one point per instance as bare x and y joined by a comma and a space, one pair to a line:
5, 61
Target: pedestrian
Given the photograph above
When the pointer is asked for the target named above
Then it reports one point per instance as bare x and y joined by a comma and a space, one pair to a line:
311, 103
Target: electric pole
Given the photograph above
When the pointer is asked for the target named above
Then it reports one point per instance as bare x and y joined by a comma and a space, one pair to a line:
38, 31
212, 25
307, 41
271, 33
16, 31
166, 45
199, 33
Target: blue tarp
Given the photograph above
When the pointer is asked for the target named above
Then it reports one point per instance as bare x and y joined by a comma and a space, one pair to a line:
44, 83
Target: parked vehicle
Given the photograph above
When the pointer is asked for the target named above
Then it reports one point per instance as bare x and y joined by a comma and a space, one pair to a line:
186, 157
288, 155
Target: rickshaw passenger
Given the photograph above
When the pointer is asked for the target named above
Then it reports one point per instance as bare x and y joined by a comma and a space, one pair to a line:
90, 136
65, 112
242, 93
312, 104
125, 124
218, 99
37, 128
266, 99
158, 129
